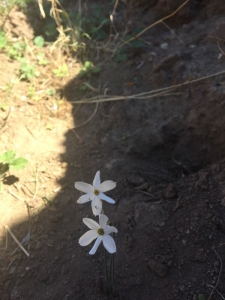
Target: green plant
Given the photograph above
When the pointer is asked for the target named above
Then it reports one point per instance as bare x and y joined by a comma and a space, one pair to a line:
9, 162
97, 23
3, 40
39, 41
61, 71
201, 297
7, 5
27, 71
121, 56
15, 50
3, 106
42, 59
50, 92
88, 70
32, 93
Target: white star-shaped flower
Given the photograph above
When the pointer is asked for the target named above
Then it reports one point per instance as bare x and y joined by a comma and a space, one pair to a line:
94, 193
100, 232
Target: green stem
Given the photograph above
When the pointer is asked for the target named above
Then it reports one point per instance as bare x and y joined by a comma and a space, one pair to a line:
106, 268
110, 276
113, 283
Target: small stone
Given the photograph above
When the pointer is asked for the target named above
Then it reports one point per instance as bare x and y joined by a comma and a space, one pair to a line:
182, 288
164, 46
170, 192
64, 165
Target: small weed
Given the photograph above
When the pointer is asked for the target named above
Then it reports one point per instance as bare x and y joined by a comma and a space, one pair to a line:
32, 94
125, 136
120, 56
3, 107
42, 61
15, 50
49, 127
88, 70
3, 40
201, 297
27, 71
39, 41
96, 24
62, 71
50, 92
9, 162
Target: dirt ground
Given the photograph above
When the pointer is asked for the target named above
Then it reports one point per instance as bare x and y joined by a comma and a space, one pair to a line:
166, 154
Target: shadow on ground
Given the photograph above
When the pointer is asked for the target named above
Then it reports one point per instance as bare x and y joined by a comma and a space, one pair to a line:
168, 216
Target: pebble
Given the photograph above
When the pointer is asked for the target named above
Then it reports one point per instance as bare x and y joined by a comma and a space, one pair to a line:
164, 46
170, 192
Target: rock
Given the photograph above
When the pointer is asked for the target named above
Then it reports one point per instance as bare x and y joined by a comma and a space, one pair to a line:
158, 268
170, 192
202, 181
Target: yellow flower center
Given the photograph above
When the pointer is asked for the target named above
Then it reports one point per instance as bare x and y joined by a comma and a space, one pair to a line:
96, 192
101, 231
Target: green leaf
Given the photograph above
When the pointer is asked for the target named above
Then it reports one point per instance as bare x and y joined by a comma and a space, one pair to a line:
8, 157
95, 70
136, 43
87, 64
50, 92
19, 46
39, 41
18, 164
121, 57
50, 29
201, 297
3, 40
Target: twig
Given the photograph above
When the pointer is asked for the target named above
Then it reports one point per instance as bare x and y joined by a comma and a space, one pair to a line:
89, 119
218, 279
218, 44
111, 18
172, 31
36, 184
152, 25
18, 243
145, 95
6, 118
215, 290
14, 195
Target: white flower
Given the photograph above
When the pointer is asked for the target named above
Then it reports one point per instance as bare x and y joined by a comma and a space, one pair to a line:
100, 232
95, 193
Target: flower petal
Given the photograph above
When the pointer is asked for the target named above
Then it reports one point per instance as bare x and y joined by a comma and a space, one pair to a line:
85, 198
84, 187
106, 198
109, 229
103, 221
97, 181
96, 205
109, 243
91, 224
96, 244
107, 186
88, 237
